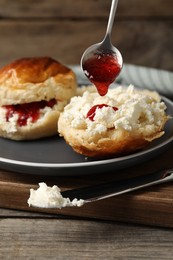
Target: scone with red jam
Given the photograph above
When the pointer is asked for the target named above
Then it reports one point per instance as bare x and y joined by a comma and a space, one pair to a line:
33, 92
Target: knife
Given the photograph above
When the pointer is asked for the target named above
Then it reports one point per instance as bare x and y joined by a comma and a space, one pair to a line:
114, 188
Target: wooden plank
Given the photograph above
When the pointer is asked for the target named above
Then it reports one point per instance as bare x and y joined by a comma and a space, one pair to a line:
83, 9
13, 213
76, 240
143, 9
148, 206
54, 9
66, 41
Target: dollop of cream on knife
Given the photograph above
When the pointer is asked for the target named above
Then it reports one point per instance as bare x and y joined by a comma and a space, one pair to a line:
51, 197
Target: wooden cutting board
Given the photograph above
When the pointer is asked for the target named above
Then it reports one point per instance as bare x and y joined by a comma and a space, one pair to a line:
151, 206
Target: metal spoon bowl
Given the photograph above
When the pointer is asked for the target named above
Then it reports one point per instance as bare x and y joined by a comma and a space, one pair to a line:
105, 47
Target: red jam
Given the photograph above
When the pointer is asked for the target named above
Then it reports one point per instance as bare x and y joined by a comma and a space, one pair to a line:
102, 69
92, 111
28, 110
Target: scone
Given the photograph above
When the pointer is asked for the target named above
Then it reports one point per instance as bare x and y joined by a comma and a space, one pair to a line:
123, 121
33, 92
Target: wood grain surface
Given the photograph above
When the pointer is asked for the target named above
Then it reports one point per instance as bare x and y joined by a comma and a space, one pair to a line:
29, 238
82, 8
148, 206
64, 29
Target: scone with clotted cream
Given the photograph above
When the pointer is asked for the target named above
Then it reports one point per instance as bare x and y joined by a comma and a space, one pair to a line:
123, 121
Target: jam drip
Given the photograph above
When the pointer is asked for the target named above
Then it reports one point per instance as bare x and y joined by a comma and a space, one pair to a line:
92, 111
102, 69
28, 110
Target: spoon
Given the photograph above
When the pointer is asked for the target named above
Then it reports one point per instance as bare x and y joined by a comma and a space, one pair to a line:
102, 62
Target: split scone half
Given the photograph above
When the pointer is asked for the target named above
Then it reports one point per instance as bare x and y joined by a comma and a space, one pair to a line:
33, 92
123, 121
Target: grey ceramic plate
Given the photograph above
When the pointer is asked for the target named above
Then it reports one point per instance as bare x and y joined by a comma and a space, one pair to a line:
52, 156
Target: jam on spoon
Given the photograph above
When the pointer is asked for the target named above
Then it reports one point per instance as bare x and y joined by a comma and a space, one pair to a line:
102, 62
102, 69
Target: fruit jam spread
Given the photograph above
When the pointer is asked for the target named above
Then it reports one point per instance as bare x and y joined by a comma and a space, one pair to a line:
28, 110
102, 69
92, 111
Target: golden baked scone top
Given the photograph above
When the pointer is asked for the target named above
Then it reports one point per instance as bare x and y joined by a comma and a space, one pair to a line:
34, 70
34, 79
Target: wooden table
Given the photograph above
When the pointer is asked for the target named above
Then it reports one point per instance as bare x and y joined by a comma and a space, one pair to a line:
141, 228
131, 226
37, 236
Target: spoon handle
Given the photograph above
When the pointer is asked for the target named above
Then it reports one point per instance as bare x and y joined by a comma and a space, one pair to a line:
111, 17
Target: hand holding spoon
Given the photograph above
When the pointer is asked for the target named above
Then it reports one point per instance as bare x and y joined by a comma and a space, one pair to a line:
102, 62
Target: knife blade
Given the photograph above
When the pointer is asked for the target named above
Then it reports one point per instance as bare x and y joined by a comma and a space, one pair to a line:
114, 188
